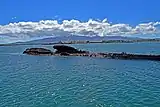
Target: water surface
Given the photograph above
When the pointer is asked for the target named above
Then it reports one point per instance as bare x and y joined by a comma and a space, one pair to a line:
49, 81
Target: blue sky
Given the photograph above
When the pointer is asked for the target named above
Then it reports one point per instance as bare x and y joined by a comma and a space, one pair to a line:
23, 20
116, 11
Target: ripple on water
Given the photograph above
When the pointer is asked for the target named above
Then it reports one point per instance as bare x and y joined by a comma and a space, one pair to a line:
77, 81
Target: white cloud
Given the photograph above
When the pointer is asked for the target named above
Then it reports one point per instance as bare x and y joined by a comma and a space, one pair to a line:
23, 31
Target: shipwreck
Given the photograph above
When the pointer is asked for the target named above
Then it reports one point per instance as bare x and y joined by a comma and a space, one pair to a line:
64, 50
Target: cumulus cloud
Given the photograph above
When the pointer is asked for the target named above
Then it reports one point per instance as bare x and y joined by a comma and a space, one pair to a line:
23, 31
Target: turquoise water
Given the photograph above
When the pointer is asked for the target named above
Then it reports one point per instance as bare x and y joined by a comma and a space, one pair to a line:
49, 81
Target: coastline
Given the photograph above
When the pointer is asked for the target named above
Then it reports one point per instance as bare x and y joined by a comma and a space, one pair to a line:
84, 42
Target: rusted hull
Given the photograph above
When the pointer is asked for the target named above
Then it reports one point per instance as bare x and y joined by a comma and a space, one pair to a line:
70, 51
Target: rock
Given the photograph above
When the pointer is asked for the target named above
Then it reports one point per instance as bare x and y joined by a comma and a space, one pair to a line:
38, 51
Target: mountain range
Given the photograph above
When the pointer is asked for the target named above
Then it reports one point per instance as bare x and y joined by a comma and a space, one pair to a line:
79, 38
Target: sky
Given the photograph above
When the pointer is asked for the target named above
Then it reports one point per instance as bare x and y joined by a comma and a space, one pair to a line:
29, 19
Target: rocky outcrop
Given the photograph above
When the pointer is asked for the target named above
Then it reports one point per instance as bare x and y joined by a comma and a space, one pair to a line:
38, 51
63, 50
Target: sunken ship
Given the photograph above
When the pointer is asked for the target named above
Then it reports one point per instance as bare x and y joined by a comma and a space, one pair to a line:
64, 50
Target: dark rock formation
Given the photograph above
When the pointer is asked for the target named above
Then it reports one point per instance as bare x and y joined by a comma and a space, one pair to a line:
38, 51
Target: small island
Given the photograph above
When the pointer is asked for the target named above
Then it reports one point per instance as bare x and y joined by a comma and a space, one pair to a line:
64, 50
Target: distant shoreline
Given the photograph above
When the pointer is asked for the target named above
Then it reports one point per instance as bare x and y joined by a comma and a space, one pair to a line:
84, 42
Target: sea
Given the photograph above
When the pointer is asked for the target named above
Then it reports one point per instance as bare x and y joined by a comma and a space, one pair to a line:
59, 81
